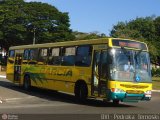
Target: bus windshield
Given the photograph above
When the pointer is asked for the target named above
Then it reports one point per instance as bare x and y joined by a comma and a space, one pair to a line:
130, 65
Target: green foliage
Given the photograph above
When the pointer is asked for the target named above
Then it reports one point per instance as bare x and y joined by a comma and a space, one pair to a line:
20, 20
143, 29
84, 36
156, 72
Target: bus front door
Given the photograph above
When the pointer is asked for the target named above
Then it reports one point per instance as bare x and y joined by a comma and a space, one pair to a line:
99, 79
17, 68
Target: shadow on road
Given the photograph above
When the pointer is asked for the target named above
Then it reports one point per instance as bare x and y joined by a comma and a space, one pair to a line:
58, 96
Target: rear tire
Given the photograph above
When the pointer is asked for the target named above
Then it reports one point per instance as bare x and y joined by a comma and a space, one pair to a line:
27, 83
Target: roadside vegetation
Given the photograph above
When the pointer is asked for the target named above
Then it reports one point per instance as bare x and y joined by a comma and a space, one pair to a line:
156, 83
156, 78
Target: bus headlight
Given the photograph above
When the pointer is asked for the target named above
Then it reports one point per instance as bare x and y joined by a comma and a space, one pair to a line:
117, 90
148, 92
113, 51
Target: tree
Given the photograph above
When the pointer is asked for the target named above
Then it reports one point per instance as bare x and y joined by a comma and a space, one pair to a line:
19, 21
50, 25
84, 36
142, 29
12, 29
157, 39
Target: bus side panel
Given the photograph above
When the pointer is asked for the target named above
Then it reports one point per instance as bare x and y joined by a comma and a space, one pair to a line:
39, 76
85, 74
60, 78
49, 77
10, 72
24, 68
66, 77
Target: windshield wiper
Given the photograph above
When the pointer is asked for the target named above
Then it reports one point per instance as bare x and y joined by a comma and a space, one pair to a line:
136, 76
139, 52
125, 52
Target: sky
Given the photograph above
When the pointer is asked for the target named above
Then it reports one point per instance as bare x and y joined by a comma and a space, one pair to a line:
100, 15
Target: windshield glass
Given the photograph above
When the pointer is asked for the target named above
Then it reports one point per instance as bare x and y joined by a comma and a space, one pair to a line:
130, 65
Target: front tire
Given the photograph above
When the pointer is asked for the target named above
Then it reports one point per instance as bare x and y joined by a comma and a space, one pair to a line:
115, 102
81, 92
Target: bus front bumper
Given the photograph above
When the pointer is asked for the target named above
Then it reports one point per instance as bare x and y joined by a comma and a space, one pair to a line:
125, 97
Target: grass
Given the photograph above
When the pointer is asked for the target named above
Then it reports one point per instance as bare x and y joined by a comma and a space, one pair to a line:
156, 83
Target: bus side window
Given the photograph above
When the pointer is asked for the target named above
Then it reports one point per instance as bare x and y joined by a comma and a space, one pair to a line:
68, 58
33, 54
42, 57
83, 57
54, 57
11, 56
26, 54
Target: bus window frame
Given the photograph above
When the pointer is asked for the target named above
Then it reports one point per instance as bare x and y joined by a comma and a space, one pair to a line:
11, 59
90, 53
41, 59
35, 56
65, 57
51, 57
26, 58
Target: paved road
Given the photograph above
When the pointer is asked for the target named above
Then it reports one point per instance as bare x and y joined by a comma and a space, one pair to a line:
17, 101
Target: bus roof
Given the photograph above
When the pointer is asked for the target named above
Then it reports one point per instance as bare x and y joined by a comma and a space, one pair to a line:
72, 43
66, 43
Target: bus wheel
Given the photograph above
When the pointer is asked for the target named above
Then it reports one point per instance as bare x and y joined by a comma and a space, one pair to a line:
81, 92
115, 102
27, 83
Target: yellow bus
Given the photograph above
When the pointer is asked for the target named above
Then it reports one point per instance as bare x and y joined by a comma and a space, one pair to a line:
112, 69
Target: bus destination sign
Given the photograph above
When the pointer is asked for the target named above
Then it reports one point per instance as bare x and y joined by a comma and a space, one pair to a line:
128, 43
